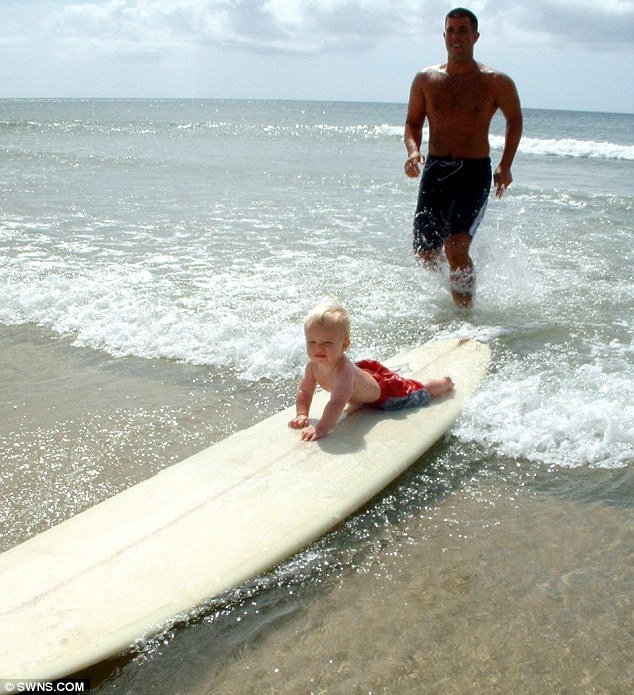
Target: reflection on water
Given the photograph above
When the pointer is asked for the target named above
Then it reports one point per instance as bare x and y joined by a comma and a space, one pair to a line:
483, 585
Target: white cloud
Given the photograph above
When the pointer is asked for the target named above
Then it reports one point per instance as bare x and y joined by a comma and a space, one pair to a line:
304, 25
305, 48
608, 24
290, 26
310, 26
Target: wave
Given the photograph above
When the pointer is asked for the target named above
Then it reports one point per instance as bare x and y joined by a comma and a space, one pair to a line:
551, 420
569, 147
554, 147
543, 147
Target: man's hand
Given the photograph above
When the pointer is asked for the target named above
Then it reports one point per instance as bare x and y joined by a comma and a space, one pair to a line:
412, 163
502, 179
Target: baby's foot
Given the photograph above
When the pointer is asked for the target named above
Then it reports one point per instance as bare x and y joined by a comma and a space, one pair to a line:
447, 383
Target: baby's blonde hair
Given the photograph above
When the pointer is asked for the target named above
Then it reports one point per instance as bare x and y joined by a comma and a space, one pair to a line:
329, 313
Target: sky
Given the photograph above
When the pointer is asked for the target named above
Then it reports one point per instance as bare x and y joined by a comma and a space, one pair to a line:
562, 54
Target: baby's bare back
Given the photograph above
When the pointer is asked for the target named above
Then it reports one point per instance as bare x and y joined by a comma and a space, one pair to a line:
359, 386
365, 388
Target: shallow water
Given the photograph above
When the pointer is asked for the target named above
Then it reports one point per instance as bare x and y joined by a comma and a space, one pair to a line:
158, 258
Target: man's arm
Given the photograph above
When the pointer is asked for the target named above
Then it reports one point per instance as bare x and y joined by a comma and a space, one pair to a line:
508, 102
413, 135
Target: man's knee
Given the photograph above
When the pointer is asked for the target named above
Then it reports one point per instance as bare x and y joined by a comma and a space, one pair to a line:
430, 259
457, 250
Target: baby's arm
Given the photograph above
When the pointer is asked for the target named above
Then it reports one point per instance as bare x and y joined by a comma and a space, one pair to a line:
303, 399
339, 397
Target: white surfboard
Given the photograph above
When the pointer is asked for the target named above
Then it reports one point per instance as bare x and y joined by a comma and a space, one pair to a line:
86, 589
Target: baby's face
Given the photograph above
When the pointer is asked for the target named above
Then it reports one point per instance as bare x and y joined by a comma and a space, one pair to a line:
325, 343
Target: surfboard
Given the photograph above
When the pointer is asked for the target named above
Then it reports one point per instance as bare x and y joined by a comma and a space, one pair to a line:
86, 589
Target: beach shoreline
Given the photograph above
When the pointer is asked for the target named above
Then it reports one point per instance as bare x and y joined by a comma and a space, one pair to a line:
152, 292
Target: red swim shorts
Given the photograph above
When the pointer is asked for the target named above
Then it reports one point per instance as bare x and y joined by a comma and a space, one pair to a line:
397, 391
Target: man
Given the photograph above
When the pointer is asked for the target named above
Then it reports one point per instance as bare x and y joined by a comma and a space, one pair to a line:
458, 99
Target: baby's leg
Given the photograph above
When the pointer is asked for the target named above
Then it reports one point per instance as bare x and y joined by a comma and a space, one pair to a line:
352, 408
438, 387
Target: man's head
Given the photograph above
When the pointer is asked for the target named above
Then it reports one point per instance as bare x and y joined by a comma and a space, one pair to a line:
461, 35
461, 12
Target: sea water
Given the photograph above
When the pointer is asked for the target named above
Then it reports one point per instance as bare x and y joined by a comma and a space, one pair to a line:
157, 259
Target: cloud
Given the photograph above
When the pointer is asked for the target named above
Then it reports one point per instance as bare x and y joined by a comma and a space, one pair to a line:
285, 26
310, 27
584, 23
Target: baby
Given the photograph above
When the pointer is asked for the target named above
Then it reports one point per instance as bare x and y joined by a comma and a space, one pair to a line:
327, 331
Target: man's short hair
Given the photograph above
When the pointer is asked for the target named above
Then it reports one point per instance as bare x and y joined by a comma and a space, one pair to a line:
461, 12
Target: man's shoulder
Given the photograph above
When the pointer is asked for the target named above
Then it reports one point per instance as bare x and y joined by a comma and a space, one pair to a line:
433, 70
440, 70
487, 69
430, 75
493, 73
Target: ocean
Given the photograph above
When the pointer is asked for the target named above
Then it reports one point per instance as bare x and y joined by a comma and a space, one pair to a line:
157, 259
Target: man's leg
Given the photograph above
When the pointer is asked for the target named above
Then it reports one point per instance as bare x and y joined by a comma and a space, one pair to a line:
461, 274
432, 260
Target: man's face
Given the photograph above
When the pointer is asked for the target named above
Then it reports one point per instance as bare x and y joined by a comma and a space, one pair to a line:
460, 37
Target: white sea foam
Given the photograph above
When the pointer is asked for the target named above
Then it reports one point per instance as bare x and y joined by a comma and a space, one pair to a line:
554, 147
569, 147
559, 417
159, 254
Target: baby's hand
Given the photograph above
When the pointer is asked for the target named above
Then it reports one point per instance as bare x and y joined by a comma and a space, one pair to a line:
298, 422
309, 434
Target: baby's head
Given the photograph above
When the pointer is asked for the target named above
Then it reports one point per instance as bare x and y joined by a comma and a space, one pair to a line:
329, 314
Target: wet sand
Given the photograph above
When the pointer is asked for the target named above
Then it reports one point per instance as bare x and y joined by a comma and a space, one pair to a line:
468, 575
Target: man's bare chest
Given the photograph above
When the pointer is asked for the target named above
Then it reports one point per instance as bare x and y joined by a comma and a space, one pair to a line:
460, 96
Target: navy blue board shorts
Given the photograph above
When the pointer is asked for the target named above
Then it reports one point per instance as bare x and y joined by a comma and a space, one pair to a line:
452, 198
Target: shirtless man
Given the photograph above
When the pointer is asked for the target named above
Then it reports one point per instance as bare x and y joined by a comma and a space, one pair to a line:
458, 99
